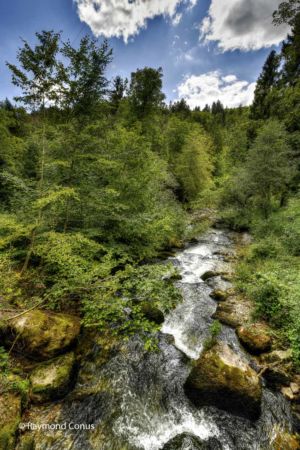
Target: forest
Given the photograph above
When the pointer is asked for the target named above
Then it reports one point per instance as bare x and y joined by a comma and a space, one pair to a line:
100, 179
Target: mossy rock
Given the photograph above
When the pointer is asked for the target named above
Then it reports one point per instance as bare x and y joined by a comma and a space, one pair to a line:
277, 356
223, 379
255, 338
285, 441
40, 334
52, 380
26, 443
152, 313
10, 416
220, 296
191, 442
209, 274
234, 311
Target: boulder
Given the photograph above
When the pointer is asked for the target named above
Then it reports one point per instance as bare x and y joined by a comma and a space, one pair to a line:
209, 274
255, 338
234, 312
278, 375
152, 313
220, 296
191, 442
223, 379
277, 356
52, 380
10, 416
41, 334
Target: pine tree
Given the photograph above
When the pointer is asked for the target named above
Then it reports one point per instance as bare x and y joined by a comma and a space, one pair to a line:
260, 108
291, 55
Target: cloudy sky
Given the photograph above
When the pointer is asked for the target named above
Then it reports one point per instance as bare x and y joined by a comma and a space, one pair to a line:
208, 49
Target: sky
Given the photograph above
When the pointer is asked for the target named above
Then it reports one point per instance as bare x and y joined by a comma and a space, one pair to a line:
208, 49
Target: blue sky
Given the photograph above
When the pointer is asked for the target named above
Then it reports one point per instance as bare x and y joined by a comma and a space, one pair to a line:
206, 51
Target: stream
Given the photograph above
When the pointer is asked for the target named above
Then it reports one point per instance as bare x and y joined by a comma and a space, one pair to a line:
136, 400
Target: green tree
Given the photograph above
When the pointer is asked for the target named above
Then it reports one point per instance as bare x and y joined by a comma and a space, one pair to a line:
145, 92
291, 54
267, 80
268, 166
117, 92
193, 166
40, 80
85, 83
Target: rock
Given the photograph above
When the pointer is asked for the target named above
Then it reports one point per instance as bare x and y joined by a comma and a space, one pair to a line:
255, 338
220, 295
221, 378
190, 442
277, 356
295, 388
276, 376
10, 416
41, 334
296, 417
234, 312
209, 274
285, 441
52, 380
152, 313
288, 393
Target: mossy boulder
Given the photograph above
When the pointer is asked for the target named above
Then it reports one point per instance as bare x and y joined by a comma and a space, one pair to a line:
40, 334
52, 380
255, 338
10, 416
191, 442
277, 356
234, 311
220, 296
152, 313
223, 379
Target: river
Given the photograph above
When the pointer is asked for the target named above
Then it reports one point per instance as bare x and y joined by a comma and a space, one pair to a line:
136, 400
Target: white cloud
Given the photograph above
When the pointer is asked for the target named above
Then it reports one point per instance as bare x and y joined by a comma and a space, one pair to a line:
125, 18
199, 90
176, 19
242, 24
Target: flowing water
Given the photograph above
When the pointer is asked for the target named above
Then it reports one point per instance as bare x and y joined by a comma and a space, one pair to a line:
136, 400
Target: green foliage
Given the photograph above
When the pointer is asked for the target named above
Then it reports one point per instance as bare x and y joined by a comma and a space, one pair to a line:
270, 272
215, 330
119, 304
194, 164
145, 93
260, 108
3, 360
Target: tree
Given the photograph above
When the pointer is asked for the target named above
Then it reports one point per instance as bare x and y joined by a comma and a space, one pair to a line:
40, 81
39, 76
145, 92
85, 83
117, 92
291, 54
268, 166
286, 12
194, 167
260, 108
181, 107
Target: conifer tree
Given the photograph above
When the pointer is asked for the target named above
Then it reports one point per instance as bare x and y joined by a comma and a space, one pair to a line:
260, 108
